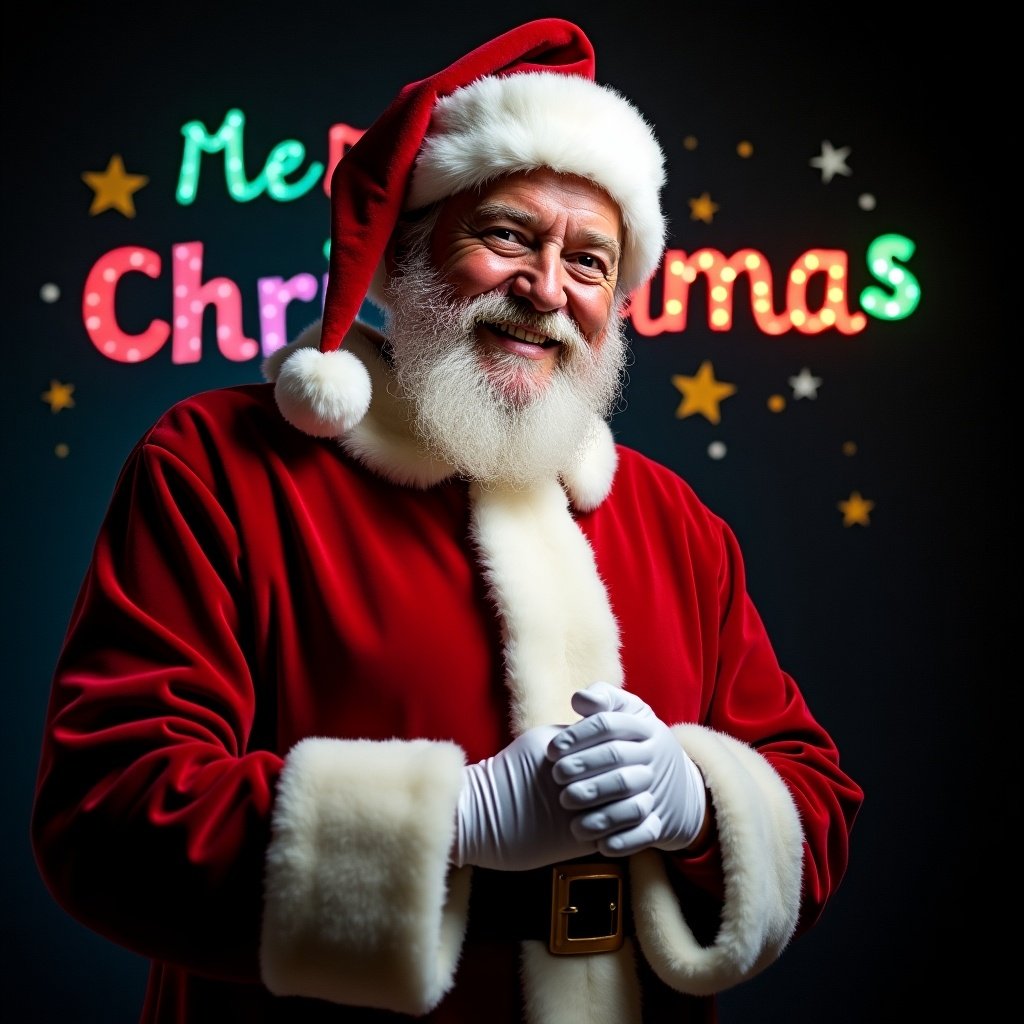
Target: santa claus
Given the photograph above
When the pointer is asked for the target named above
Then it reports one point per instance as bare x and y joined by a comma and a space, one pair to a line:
396, 686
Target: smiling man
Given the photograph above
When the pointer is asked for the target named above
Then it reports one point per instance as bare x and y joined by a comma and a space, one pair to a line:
396, 688
503, 324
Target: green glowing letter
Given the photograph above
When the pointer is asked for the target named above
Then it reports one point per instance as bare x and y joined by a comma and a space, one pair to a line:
904, 292
229, 139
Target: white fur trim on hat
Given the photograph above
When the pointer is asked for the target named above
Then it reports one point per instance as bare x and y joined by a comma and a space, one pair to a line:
502, 125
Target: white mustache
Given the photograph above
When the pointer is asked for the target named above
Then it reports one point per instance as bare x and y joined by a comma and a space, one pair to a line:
493, 308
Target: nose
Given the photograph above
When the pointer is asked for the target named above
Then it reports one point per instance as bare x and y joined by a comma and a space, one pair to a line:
541, 280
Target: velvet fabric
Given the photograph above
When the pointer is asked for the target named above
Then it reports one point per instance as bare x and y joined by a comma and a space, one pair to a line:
253, 587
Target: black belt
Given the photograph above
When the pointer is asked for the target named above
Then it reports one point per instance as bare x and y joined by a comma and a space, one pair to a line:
579, 906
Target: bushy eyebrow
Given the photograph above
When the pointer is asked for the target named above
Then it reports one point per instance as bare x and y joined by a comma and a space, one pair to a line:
591, 239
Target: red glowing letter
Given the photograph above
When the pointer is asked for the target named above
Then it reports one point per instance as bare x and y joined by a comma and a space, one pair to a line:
833, 312
98, 306
679, 272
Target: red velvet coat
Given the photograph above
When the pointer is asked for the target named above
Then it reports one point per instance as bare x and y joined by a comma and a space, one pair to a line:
284, 650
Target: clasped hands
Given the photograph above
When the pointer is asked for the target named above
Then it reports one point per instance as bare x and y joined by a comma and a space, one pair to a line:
617, 782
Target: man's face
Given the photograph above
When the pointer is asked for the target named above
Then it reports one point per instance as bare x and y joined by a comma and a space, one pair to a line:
503, 330
548, 242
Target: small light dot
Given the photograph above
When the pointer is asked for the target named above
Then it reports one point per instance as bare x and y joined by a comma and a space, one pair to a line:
866, 201
690, 142
716, 450
849, 447
745, 149
61, 450
49, 292
776, 403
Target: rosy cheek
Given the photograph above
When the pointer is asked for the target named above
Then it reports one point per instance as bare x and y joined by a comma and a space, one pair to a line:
595, 318
474, 276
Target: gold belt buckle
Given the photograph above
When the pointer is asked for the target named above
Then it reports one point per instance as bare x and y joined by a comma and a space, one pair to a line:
586, 908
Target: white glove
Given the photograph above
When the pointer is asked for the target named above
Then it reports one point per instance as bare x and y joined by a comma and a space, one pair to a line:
509, 817
623, 765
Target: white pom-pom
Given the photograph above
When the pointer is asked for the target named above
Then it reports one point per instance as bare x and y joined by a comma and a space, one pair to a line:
324, 394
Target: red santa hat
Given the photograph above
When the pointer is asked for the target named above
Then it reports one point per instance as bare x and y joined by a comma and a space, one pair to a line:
522, 101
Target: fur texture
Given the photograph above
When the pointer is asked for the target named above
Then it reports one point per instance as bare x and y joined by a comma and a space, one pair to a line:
520, 122
359, 904
761, 840
560, 633
323, 394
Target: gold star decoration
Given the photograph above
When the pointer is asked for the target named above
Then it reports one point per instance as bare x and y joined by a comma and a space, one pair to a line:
113, 187
58, 396
856, 510
702, 393
702, 208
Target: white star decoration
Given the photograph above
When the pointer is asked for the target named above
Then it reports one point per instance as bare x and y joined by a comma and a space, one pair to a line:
832, 161
805, 384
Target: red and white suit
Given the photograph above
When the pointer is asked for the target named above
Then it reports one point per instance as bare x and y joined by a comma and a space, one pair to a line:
283, 653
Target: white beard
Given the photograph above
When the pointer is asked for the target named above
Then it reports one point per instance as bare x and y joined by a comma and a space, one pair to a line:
492, 419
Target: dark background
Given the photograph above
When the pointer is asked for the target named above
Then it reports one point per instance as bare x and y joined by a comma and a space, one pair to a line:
897, 630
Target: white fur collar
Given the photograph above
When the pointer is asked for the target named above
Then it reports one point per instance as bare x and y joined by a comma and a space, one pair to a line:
382, 441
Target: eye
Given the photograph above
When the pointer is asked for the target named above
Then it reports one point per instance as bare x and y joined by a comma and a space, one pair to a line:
590, 264
502, 234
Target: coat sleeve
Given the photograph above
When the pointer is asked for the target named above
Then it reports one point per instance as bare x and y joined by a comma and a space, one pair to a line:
166, 820
783, 811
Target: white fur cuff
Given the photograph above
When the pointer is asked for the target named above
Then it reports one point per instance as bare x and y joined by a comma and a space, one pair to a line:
357, 907
762, 856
